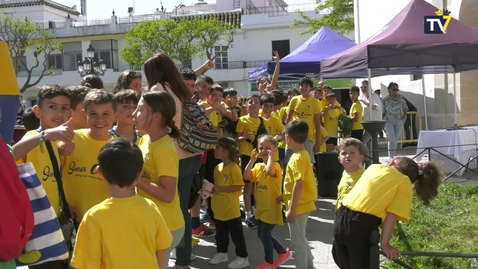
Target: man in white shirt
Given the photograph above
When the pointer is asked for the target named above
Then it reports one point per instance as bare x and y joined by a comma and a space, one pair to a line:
376, 114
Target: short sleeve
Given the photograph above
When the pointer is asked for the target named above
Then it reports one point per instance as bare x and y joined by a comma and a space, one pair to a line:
217, 174
240, 126
166, 161
402, 202
297, 168
88, 250
237, 176
164, 238
293, 103
278, 169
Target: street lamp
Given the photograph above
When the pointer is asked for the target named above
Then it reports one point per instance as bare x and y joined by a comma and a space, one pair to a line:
89, 67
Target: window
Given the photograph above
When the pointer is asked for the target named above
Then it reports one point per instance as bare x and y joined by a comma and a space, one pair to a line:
55, 61
70, 60
33, 103
282, 47
17, 63
220, 61
417, 77
103, 55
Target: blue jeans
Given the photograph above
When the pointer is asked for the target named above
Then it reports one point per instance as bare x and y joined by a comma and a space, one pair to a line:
270, 243
394, 130
187, 170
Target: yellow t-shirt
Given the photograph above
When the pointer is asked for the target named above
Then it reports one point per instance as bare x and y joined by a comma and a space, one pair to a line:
161, 159
42, 163
121, 233
225, 205
300, 168
305, 109
274, 127
347, 182
331, 121
283, 112
83, 186
215, 117
324, 104
137, 136
381, 189
357, 108
266, 190
247, 124
323, 134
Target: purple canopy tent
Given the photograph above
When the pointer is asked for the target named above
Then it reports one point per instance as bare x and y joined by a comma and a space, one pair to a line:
402, 47
306, 58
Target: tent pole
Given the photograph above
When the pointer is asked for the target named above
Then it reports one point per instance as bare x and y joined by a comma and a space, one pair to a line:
454, 94
424, 102
370, 93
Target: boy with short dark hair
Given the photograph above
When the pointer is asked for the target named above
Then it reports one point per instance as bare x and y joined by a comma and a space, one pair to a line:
356, 113
114, 223
300, 192
81, 182
204, 84
189, 78
77, 97
30, 120
350, 156
53, 110
272, 123
126, 101
229, 98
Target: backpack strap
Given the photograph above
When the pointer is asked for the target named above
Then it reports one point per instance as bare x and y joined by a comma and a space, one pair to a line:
56, 172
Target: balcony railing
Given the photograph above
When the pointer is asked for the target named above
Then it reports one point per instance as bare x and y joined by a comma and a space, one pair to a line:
234, 65
278, 10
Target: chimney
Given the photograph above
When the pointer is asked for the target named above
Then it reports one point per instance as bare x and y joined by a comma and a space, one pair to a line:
83, 7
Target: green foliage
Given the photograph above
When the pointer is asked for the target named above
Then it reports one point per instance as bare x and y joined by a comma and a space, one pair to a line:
181, 39
449, 224
23, 35
335, 14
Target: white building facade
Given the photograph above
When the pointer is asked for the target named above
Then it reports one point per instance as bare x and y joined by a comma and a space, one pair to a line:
372, 15
264, 26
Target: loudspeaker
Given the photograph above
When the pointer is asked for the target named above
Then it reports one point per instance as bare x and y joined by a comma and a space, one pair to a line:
329, 172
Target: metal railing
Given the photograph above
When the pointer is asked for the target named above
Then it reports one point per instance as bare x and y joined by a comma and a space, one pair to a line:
418, 119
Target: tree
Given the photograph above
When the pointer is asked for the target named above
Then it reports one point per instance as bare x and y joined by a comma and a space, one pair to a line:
338, 17
23, 35
167, 36
181, 39
211, 33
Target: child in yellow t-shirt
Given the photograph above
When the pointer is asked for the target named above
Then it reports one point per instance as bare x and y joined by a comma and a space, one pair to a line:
227, 188
331, 114
381, 197
300, 192
267, 179
273, 125
114, 223
247, 127
81, 182
77, 98
159, 181
356, 111
127, 101
350, 156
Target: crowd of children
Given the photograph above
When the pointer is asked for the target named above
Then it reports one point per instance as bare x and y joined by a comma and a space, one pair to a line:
128, 183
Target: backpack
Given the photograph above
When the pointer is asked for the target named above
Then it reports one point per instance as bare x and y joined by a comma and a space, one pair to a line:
16, 214
261, 130
199, 133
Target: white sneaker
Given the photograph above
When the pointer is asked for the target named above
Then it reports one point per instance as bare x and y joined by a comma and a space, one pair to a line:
219, 258
238, 263
173, 255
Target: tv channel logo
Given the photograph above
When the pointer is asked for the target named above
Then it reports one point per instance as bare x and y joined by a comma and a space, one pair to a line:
437, 24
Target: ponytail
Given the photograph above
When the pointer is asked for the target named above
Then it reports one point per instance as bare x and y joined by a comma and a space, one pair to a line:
429, 179
174, 131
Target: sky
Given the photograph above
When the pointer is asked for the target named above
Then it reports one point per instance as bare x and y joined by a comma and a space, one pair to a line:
101, 9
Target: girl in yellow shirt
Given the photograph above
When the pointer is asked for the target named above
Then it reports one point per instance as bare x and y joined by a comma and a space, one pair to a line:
159, 181
267, 180
227, 189
381, 197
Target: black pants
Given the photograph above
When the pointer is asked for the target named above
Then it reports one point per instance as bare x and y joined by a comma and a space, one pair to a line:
211, 163
231, 227
352, 231
357, 134
51, 265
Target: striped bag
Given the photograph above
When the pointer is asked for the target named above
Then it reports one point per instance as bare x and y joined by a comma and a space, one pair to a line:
47, 242
199, 133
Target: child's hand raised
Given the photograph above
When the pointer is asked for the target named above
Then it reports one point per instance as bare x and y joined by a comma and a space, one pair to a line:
279, 199
61, 133
254, 155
